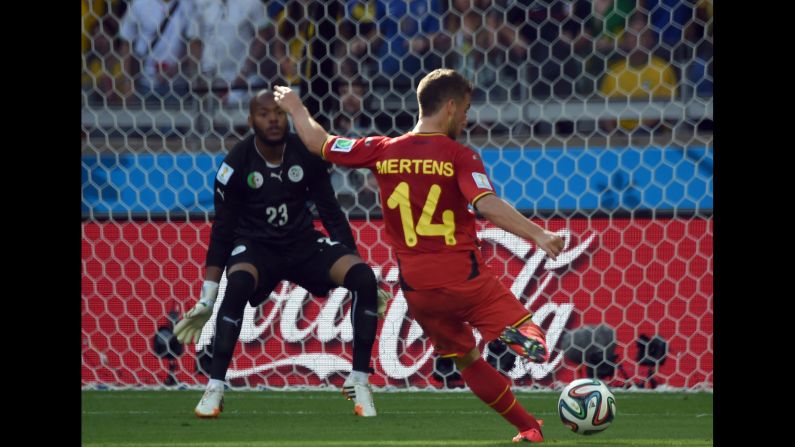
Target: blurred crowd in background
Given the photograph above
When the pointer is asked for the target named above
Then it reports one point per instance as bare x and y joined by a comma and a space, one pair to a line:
351, 59
344, 54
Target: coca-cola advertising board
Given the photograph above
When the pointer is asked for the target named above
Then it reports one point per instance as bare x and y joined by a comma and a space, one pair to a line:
640, 277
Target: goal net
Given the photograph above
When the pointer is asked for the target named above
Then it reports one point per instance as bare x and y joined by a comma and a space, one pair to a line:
593, 118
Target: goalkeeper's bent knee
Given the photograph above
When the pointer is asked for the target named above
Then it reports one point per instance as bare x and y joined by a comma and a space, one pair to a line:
239, 288
361, 279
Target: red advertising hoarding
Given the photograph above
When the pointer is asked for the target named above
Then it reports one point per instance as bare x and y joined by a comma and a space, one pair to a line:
649, 277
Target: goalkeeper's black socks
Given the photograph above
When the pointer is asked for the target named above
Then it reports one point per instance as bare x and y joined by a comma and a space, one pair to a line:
239, 287
361, 281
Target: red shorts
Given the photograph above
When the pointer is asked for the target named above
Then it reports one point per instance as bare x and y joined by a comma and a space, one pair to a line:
448, 314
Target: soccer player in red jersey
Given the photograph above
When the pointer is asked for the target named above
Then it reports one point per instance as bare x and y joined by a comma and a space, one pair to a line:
427, 181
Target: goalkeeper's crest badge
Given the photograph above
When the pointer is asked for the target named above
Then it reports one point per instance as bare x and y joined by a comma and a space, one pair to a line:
255, 180
295, 173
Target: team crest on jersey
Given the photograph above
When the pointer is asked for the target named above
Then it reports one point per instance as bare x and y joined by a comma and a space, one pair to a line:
481, 180
342, 145
224, 173
295, 173
255, 180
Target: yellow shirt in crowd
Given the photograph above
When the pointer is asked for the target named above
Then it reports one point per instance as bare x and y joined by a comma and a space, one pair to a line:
655, 80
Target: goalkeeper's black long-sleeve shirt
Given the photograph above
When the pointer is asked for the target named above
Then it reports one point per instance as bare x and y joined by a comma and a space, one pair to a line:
269, 204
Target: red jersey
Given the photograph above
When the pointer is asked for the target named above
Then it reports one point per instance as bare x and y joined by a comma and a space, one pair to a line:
426, 182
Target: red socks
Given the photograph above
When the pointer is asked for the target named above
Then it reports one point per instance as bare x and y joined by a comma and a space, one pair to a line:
495, 390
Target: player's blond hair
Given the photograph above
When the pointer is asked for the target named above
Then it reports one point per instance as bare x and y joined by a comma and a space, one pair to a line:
440, 86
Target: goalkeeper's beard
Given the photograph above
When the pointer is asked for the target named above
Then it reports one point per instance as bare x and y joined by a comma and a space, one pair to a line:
268, 141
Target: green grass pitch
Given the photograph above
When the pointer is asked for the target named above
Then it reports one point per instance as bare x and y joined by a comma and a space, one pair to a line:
416, 419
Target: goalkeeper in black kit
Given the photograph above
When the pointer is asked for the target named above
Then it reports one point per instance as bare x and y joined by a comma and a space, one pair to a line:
263, 234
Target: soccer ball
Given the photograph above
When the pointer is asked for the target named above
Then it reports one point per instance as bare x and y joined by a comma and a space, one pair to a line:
587, 406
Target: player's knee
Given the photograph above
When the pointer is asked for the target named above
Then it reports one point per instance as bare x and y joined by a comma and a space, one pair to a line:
240, 281
240, 286
244, 267
467, 359
360, 278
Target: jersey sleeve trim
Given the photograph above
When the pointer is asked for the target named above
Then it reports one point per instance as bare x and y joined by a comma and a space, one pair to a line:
480, 196
325, 144
522, 320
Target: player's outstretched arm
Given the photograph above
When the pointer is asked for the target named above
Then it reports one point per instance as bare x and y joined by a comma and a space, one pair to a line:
505, 216
311, 133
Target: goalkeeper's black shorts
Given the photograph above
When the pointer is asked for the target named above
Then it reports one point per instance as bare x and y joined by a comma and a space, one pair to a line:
307, 264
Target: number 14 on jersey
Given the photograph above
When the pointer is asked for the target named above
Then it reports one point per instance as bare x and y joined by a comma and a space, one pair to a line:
400, 199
